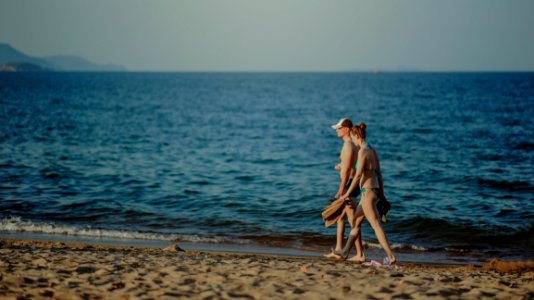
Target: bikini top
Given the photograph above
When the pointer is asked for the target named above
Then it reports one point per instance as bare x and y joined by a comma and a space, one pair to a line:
374, 179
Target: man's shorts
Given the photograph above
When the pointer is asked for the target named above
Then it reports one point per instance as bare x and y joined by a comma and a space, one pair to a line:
356, 192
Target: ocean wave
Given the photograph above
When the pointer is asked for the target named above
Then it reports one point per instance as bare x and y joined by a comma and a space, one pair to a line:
301, 241
406, 247
18, 225
431, 230
524, 146
397, 246
506, 185
479, 182
311, 243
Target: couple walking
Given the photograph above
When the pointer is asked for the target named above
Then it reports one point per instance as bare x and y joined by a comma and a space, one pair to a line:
359, 170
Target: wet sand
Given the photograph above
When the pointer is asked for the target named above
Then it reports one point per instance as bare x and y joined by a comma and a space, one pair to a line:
45, 269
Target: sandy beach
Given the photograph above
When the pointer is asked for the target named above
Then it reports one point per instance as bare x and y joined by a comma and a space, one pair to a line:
45, 269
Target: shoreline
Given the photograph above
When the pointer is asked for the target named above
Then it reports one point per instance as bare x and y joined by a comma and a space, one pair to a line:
372, 253
201, 246
67, 270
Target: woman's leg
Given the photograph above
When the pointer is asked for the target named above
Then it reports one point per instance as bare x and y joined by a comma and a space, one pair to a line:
355, 234
356, 237
351, 216
369, 209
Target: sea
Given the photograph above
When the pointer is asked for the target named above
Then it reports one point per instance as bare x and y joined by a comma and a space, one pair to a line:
246, 160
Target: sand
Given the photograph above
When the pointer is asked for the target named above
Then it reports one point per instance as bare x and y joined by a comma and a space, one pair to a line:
56, 270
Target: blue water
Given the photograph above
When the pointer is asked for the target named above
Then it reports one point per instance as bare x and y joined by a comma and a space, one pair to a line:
248, 158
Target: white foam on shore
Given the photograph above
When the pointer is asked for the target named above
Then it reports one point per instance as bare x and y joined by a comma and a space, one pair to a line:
408, 246
17, 225
395, 246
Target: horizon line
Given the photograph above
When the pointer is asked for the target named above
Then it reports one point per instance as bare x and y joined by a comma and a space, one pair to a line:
293, 71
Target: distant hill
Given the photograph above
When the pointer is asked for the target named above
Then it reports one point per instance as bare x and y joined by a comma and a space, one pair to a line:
21, 67
10, 55
76, 63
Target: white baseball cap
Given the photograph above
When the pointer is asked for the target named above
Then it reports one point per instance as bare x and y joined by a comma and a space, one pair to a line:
344, 122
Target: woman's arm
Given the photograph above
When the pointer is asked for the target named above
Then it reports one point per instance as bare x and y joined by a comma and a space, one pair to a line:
356, 179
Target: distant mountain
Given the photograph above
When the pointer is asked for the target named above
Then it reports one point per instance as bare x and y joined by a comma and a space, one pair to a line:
76, 63
10, 55
21, 67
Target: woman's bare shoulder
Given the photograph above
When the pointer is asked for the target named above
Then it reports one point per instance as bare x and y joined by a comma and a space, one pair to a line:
367, 151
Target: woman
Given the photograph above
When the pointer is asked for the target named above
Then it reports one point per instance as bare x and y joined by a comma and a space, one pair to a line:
369, 179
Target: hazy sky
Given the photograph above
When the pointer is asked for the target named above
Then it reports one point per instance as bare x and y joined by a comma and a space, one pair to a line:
278, 35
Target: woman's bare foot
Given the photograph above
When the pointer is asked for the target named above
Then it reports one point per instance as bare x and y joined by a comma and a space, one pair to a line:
390, 261
335, 254
356, 259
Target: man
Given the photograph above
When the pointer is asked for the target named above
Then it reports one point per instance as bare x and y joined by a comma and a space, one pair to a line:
346, 168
